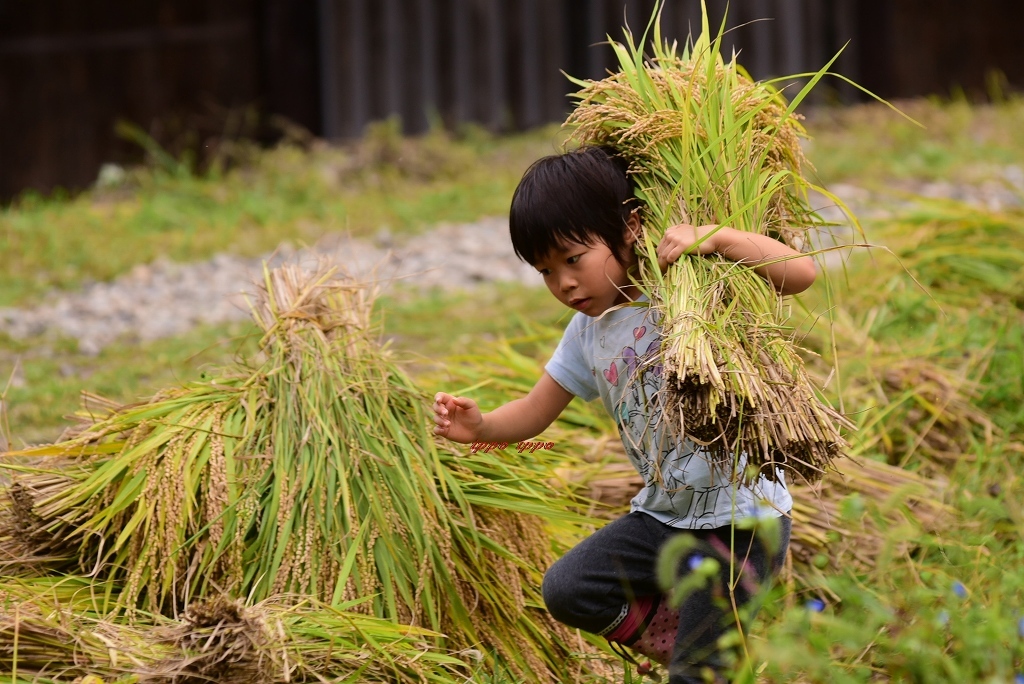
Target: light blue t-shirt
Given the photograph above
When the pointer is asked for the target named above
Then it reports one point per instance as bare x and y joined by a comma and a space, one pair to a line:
615, 357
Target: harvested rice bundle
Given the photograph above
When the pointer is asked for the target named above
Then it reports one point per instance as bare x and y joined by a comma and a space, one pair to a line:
225, 641
81, 595
219, 640
917, 410
707, 145
311, 473
43, 642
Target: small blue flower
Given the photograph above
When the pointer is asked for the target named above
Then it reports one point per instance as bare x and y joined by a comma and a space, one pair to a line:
959, 589
1019, 679
943, 618
815, 605
695, 561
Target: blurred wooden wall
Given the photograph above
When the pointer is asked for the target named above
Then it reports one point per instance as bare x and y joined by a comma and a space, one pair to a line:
499, 62
70, 68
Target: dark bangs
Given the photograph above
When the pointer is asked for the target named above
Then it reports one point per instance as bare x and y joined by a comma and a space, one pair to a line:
582, 196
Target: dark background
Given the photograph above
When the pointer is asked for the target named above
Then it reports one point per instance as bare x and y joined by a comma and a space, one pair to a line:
190, 71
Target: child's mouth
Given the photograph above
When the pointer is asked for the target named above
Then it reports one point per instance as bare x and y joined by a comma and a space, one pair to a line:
579, 304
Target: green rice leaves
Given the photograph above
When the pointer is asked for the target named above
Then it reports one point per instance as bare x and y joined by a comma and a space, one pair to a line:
707, 145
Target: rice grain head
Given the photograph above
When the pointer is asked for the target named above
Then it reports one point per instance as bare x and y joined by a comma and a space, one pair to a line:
706, 145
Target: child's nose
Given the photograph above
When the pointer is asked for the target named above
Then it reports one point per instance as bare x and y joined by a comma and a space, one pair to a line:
568, 282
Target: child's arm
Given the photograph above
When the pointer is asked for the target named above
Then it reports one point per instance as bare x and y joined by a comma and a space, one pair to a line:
787, 270
459, 419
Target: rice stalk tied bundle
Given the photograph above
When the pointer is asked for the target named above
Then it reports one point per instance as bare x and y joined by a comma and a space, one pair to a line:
41, 642
218, 640
311, 472
223, 640
707, 145
841, 523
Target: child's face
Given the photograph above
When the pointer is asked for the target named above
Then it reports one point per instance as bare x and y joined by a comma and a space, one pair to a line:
588, 278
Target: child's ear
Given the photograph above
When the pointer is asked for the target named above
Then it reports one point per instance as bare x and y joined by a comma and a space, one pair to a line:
633, 228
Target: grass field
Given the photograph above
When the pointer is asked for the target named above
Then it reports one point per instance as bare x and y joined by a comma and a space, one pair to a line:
928, 333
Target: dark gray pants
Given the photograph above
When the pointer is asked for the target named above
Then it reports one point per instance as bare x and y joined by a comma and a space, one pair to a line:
588, 587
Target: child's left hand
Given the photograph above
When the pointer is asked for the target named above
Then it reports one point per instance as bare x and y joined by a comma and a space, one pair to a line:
680, 239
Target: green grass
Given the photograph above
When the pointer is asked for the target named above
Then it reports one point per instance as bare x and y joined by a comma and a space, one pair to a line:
940, 606
283, 194
956, 142
470, 319
47, 378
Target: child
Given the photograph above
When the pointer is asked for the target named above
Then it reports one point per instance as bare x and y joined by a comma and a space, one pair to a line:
575, 219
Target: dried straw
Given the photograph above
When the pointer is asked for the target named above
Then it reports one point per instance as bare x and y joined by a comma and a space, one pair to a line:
218, 640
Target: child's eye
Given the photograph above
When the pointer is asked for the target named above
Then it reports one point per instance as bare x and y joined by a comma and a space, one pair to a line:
573, 259
544, 271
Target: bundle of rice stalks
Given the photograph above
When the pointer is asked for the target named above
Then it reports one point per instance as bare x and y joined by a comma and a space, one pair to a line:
311, 472
80, 595
924, 372
40, 642
832, 527
225, 641
218, 640
923, 411
708, 145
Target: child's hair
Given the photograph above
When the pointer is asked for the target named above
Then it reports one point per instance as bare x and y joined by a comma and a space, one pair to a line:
582, 196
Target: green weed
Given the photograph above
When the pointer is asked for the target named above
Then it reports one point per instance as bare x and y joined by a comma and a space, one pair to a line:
284, 194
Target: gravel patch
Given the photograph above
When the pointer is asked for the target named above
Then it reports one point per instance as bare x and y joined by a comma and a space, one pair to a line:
164, 299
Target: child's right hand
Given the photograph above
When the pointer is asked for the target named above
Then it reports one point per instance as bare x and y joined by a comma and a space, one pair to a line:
457, 418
